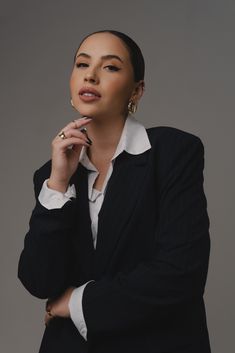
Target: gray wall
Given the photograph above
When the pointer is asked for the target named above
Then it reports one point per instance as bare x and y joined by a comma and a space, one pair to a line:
189, 51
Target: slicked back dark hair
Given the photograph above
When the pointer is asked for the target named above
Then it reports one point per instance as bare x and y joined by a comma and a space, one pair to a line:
135, 53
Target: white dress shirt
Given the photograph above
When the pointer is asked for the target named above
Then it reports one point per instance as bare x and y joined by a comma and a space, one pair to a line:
134, 140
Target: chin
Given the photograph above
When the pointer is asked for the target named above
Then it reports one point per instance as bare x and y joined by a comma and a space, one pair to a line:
93, 113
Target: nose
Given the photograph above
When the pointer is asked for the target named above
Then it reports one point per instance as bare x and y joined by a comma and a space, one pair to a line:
91, 76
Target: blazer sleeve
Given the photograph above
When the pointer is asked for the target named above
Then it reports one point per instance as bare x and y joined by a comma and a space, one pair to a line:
175, 275
45, 259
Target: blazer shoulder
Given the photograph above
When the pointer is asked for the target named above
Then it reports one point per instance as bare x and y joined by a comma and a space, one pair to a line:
44, 169
172, 147
172, 136
41, 174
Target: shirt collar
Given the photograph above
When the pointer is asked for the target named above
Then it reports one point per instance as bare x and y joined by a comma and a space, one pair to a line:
134, 140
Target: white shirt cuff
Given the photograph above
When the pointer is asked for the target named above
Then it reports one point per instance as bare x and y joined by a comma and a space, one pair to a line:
76, 311
50, 198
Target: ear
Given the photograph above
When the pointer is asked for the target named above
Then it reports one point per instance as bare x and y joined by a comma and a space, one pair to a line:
138, 91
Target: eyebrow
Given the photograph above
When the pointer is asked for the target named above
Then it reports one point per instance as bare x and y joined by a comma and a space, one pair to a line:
104, 57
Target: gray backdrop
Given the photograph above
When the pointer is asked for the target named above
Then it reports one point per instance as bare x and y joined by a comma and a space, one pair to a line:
189, 50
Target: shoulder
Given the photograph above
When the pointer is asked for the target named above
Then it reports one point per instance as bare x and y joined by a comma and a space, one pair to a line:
171, 135
172, 140
44, 170
42, 173
172, 147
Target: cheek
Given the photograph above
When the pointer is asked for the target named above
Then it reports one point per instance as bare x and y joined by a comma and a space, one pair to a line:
73, 84
74, 78
121, 89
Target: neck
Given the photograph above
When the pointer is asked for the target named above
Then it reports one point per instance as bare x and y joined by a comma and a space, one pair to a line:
105, 136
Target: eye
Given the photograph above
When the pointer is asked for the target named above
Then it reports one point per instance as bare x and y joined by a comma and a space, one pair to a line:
81, 65
112, 68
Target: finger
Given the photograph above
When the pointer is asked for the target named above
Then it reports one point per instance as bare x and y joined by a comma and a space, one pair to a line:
81, 122
76, 124
65, 143
74, 133
71, 133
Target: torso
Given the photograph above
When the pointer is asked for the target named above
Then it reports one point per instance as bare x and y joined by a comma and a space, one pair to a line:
102, 166
98, 184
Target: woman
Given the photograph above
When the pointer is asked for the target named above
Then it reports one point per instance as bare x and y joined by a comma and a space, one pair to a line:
119, 237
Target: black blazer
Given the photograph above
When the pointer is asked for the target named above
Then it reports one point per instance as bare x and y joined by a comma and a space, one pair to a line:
151, 260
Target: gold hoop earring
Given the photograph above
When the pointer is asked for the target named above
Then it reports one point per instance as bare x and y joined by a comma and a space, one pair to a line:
132, 107
71, 101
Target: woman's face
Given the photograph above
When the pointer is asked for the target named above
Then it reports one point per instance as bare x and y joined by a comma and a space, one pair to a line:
102, 80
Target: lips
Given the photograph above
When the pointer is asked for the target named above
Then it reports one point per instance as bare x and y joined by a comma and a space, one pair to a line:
89, 92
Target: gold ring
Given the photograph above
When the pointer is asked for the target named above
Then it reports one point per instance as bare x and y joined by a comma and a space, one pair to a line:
62, 135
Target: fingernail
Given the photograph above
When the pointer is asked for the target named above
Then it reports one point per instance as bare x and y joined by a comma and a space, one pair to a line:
87, 117
83, 130
89, 141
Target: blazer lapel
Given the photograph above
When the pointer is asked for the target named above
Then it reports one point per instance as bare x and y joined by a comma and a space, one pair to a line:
83, 242
120, 199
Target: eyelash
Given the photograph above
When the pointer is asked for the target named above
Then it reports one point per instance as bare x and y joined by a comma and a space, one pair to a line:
114, 68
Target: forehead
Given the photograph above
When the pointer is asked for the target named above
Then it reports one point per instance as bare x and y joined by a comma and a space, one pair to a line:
104, 43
